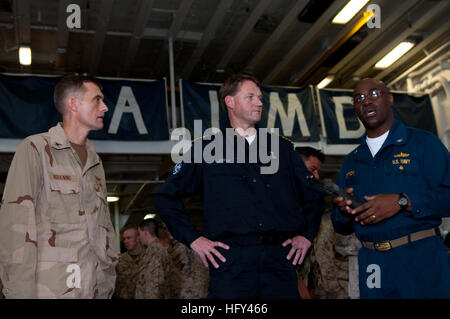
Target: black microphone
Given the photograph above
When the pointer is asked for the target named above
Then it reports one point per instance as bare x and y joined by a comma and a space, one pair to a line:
331, 188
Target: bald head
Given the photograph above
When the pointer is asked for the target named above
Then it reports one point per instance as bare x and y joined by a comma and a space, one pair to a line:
371, 82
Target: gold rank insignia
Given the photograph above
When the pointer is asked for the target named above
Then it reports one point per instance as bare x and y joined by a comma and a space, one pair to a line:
351, 173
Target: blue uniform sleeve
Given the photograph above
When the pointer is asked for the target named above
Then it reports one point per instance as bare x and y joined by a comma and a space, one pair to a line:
312, 197
185, 179
341, 225
434, 203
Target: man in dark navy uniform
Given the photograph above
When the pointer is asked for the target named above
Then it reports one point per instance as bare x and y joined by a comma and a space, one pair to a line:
256, 226
403, 175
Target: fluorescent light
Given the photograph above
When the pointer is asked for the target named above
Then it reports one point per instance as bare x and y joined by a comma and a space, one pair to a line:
394, 55
25, 55
325, 81
112, 199
349, 11
149, 216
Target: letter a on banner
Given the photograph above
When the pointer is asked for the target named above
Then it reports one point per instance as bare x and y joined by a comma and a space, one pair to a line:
126, 96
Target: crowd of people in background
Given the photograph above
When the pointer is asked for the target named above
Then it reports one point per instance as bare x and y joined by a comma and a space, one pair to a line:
156, 266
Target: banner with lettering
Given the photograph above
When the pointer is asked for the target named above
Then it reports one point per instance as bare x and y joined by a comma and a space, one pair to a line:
289, 109
137, 110
342, 126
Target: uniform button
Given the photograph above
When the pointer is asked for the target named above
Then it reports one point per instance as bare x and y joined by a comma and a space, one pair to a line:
260, 224
267, 185
254, 180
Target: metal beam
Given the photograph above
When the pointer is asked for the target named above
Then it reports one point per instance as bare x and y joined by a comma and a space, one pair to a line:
143, 13
174, 29
100, 34
180, 16
149, 33
21, 10
423, 19
244, 32
292, 55
270, 43
208, 35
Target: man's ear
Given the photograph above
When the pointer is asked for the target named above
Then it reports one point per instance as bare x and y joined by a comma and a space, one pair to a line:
72, 104
391, 98
229, 101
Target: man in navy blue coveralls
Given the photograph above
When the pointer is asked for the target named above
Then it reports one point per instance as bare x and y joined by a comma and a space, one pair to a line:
256, 227
403, 175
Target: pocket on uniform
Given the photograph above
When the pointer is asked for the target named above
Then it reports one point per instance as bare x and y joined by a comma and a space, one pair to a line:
64, 198
403, 165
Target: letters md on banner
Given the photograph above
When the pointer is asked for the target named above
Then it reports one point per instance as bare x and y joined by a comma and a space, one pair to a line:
342, 126
137, 109
289, 109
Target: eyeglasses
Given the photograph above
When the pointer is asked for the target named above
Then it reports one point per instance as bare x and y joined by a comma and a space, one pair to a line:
373, 94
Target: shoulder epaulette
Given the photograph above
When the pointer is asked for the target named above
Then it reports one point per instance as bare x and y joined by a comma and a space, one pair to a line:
201, 137
287, 139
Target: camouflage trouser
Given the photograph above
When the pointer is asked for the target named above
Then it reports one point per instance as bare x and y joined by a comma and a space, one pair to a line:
329, 269
304, 270
2, 296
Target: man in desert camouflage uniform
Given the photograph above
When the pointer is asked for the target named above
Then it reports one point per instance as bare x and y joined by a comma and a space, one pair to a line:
128, 264
56, 236
154, 267
189, 278
195, 276
330, 265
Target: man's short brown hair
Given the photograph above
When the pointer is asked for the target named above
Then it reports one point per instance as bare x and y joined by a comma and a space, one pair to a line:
151, 225
72, 83
232, 84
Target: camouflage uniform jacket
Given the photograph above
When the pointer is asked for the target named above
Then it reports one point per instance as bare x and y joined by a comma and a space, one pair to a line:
56, 236
194, 276
152, 281
127, 269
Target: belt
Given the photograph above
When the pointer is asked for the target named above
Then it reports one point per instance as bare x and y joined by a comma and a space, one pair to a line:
256, 239
389, 244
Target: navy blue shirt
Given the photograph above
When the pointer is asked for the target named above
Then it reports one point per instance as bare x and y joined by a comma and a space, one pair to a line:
410, 161
238, 199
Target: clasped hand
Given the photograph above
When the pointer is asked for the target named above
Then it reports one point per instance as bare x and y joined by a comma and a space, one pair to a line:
376, 208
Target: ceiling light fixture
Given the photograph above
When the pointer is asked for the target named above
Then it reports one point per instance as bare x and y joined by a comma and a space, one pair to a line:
327, 80
395, 54
112, 199
25, 55
349, 11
